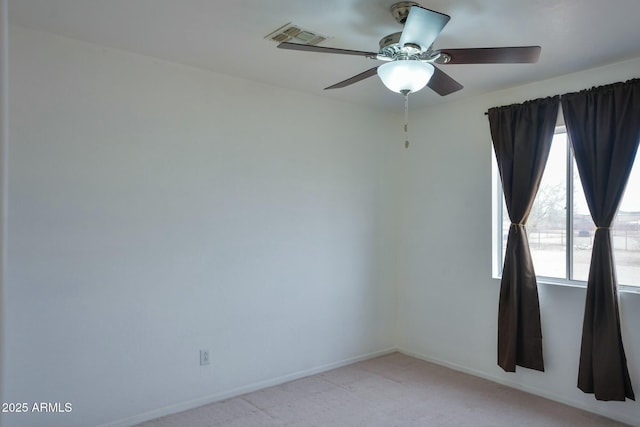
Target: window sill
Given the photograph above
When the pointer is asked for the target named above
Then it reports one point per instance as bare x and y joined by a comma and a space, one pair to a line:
625, 289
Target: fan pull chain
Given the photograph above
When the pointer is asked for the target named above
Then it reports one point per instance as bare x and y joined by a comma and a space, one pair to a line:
406, 120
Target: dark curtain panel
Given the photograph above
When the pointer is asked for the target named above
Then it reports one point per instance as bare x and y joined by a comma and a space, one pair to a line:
522, 137
604, 129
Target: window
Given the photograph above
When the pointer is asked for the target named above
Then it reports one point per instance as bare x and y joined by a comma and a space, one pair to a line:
560, 228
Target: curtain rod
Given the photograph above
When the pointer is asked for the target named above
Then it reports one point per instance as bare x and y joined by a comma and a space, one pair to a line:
486, 113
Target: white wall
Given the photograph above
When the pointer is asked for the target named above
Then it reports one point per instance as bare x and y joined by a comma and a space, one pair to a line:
156, 209
4, 143
448, 301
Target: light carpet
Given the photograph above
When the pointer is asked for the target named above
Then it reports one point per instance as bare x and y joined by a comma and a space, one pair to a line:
392, 390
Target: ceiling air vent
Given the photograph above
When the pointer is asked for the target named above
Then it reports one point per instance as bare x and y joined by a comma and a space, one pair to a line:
294, 34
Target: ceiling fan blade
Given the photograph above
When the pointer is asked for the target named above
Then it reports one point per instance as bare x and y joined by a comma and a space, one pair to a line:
493, 55
354, 79
423, 26
323, 49
442, 83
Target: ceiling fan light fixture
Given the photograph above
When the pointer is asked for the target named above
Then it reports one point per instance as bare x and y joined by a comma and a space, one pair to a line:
405, 75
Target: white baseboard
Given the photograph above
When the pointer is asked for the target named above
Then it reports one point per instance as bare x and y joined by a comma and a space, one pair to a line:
184, 406
532, 390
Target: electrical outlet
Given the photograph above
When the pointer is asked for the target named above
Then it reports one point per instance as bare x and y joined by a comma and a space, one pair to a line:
204, 357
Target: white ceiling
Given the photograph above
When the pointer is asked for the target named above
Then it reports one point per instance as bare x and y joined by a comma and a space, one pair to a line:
228, 37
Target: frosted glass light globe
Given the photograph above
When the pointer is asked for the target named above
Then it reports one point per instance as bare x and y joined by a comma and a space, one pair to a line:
405, 75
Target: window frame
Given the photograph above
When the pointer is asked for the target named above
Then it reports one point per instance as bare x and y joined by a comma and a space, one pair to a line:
497, 226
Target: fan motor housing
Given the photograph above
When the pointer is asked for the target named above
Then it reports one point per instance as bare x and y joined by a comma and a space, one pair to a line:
390, 48
390, 40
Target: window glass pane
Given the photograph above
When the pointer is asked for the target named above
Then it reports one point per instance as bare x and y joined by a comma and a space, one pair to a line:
506, 223
546, 225
626, 232
583, 229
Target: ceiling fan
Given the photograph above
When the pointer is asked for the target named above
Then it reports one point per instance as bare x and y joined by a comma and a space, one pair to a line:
409, 56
